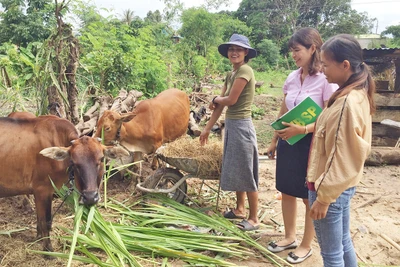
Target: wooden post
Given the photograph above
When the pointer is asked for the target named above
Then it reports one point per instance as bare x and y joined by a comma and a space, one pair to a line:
397, 71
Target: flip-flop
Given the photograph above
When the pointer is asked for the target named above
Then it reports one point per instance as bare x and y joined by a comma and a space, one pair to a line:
246, 226
231, 215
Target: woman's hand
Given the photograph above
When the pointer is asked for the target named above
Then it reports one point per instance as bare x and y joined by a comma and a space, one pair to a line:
272, 149
318, 210
204, 137
212, 106
290, 131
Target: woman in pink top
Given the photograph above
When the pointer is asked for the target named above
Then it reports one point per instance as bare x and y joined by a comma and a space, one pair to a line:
291, 160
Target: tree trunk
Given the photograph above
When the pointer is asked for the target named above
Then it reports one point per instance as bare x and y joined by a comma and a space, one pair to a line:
383, 156
55, 106
6, 78
73, 57
63, 94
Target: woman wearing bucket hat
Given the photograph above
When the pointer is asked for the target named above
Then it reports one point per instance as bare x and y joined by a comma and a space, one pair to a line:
240, 156
291, 161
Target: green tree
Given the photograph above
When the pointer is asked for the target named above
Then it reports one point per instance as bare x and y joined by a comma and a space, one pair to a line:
275, 20
269, 19
230, 25
26, 21
86, 14
128, 16
346, 21
268, 55
215, 4
393, 30
172, 10
153, 17
199, 29
115, 58
200, 35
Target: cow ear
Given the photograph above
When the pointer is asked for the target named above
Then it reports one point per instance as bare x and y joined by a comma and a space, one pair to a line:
127, 117
115, 152
57, 153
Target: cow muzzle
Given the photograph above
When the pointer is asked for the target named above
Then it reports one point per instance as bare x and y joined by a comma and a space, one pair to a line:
89, 198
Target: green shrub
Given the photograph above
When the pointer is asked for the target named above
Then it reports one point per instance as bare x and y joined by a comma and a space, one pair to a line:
268, 56
256, 112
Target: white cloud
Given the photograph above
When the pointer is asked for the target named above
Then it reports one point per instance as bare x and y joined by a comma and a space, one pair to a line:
385, 11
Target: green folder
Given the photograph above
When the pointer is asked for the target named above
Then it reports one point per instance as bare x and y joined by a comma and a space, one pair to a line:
304, 113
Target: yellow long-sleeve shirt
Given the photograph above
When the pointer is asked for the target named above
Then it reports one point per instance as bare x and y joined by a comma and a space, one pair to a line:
336, 164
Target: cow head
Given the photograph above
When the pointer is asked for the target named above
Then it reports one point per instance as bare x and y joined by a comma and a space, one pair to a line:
86, 156
109, 126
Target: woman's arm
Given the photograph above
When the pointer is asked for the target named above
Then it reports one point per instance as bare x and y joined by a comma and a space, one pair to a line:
217, 111
272, 147
237, 88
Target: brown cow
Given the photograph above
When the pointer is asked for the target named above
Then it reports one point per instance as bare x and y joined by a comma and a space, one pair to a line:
21, 115
28, 147
27, 203
153, 122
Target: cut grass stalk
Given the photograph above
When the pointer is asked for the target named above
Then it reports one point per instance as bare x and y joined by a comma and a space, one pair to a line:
152, 230
173, 213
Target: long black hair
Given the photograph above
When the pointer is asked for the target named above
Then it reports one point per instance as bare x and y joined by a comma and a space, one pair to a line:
345, 47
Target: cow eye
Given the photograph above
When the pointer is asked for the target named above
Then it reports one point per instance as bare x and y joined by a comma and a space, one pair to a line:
108, 129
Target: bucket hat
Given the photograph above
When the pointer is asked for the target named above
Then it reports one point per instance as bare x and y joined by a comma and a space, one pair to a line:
239, 40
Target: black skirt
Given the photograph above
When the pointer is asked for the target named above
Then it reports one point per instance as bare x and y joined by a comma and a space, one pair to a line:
291, 167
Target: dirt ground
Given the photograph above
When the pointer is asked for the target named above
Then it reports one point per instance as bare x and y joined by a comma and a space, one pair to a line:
375, 218
375, 212
371, 222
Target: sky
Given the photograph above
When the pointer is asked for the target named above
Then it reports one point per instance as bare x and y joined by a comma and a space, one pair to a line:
387, 12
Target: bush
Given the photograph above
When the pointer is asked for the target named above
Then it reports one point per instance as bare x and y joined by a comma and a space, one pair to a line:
256, 112
268, 55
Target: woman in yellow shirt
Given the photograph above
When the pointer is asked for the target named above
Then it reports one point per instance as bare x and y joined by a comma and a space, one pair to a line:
341, 144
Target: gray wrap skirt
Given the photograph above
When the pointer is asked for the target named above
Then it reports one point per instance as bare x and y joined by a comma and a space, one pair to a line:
240, 158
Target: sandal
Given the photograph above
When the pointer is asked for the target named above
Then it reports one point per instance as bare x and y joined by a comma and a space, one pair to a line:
231, 215
246, 226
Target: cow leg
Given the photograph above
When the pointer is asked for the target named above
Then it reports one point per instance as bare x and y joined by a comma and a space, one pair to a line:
27, 204
137, 156
43, 212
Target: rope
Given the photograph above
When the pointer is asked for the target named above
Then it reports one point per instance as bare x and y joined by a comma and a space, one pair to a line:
71, 179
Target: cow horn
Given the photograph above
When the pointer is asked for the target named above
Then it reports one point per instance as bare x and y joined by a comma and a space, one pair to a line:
73, 141
98, 139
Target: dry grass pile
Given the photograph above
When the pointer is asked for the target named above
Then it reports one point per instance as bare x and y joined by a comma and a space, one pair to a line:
188, 155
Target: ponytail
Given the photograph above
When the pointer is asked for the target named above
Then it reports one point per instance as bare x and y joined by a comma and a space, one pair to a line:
345, 47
